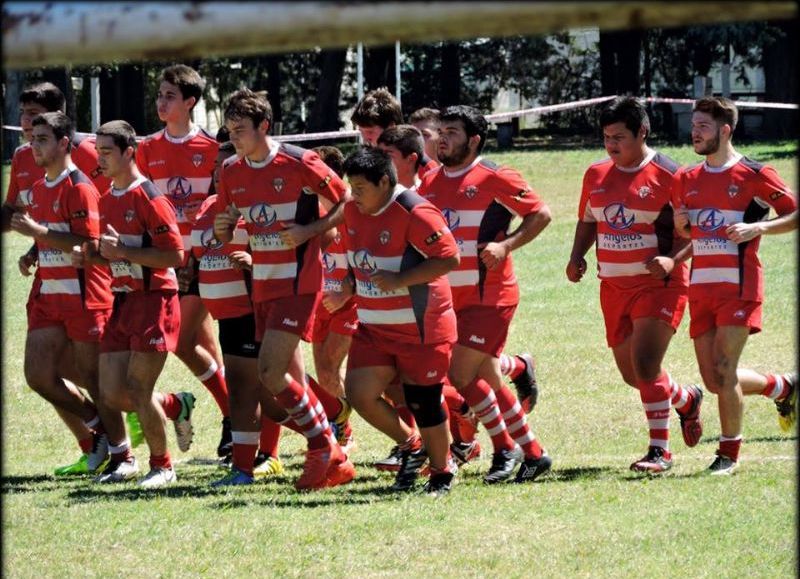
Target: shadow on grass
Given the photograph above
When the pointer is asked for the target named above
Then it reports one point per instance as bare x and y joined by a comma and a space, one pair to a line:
576, 474
15, 484
774, 438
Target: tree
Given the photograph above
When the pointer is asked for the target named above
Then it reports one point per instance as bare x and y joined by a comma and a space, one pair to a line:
619, 62
324, 114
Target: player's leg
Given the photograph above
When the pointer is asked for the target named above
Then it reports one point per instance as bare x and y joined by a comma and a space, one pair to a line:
364, 386
781, 388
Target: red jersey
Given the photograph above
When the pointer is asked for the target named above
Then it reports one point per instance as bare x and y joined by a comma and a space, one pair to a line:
143, 217
223, 289
741, 191
334, 264
182, 169
633, 212
25, 172
69, 204
478, 203
271, 196
406, 232
426, 164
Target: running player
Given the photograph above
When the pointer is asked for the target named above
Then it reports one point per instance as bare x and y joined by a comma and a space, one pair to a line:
479, 200
399, 250
722, 206
278, 189
179, 160
625, 208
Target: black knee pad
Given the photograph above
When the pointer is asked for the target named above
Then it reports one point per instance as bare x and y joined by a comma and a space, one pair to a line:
425, 403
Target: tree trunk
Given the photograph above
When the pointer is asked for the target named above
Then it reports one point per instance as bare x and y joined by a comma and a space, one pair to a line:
274, 80
619, 62
780, 81
123, 96
14, 80
325, 112
379, 68
61, 77
450, 86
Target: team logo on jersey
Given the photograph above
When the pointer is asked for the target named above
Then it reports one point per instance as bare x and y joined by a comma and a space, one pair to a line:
618, 216
364, 261
328, 262
733, 190
324, 182
385, 237
739, 314
710, 219
179, 187
644, 191
197, 159
471, 191
692, 192
56, 205
308, 191
452, 218
208, 240
129, 215
263, 214
277, 182
775, 195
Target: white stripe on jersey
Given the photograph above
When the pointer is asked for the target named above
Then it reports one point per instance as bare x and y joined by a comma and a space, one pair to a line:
124, 268
198, 184
715, 275
61, 286
384, 263
622, 269
54, 258
463, 278
627, 241
403, 316
230, 289
267, 271
714, 246
367, 289
267, 242
640, 216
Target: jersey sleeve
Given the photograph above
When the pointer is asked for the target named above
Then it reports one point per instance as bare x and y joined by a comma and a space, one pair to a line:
322, 180
141, 159
12, 195
514, 193
223, 197
429, 234
584, 210
161, 225
82, 210
771, 189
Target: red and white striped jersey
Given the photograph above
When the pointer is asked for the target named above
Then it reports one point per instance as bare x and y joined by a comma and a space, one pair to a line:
69, 204
223, 289
143, 217
272, 195
405, 233
334, 264
182, 169
633, 212
741, 191
25, 172
479, 203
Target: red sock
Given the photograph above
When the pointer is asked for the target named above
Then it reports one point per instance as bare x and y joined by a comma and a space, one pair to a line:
270, 436
120, 452
171, 405
331, 404
655, 396
516, 422
730, 447
303, 406
412, 443
461, 427
161, 461
482, 401
86, 444
511, 366
214, 381
245, 447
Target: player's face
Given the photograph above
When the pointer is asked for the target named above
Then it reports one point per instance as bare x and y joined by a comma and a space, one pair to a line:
246, 139
430, 132
404, 166
368, 197
454, 146
170, 104
221, 156
110, 159
45, 147
705, 134
27, 112
370, 134
624, 148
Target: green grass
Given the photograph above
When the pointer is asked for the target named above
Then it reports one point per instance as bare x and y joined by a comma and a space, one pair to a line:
591, 518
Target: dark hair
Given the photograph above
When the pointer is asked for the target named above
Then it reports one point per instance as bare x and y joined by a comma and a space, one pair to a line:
60, 123
721, 109
226, 147
377, 107
474, 122
628, 110
188, 81
405, 138
372, 164
121, 132
423, 114
45, 94
245, 103
332, 157
222, 135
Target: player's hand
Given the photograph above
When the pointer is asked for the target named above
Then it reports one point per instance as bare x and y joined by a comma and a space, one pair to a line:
492, 254
225, 222
660, 266
681, 221
575, 269
333, 301
26, 262
240, 260
111, 247
386, 281
23, 223
295, 235
741, 232
185, 276
79, 254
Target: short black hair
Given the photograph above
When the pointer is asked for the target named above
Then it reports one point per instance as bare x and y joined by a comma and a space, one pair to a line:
372, 164
121, 132
474, 122
628, 110
45, 94
61, 125
405, 138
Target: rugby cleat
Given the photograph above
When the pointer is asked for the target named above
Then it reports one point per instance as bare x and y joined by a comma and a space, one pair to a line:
691, 425
463, 452
392, 462
787, 406
722, 466
503, 464
266, 465
96, 457
533, 468
410, 465
184, 432
234, 478
116, 472
225, 446
656, 461
158, 477
78, 467
525, 384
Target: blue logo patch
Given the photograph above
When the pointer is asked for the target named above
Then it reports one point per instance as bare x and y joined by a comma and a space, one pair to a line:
618, 216
710, 219
263, 215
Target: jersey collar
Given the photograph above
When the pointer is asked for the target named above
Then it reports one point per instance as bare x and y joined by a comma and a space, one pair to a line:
463, 171
61, 176
397, 190
274, 147
120, 192
647, 158
731, 162
180, 140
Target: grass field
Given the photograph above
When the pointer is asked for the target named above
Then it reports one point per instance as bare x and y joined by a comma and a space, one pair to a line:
591, 518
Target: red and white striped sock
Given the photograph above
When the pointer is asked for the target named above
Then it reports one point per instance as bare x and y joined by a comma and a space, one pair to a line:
511, 366
776, 388
214, 381
120, 452
516, 422
482, 401
680, 397
331, 404
655, 395
245, 447
303, 406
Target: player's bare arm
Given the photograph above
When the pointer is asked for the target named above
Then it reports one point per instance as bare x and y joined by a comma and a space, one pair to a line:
225, 223
299, 234
111, 247
662, 265
22, 223
585, 236
493, 253
741, 232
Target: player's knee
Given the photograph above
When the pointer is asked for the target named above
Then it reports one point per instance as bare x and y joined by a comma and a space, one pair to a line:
724, 373
425, 403
356, 396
